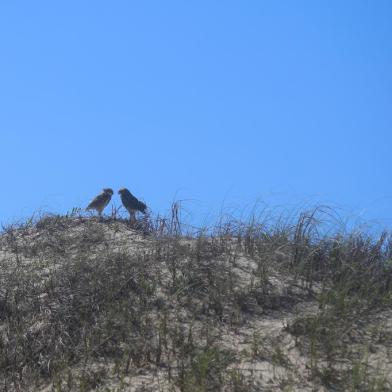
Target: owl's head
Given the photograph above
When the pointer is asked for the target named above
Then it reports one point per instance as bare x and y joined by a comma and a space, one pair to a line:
123, 191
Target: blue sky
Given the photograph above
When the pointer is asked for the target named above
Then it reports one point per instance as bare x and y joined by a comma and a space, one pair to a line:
220, 103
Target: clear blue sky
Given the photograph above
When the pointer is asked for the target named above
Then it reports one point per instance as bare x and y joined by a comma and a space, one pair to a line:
212, 101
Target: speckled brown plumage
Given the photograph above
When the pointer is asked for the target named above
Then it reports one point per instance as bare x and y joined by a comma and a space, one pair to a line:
131, 203
101, 201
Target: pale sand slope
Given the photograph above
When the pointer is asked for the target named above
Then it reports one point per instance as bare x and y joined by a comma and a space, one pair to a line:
213, 316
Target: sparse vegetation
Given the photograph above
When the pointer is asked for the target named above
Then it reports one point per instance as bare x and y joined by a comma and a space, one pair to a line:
109, 305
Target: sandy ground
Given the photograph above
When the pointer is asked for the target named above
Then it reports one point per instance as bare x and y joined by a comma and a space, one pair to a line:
266, 354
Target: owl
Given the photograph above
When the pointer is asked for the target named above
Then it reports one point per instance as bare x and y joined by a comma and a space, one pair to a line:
101, 201
131, 203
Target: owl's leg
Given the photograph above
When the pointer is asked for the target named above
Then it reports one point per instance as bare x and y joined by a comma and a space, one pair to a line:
100, 214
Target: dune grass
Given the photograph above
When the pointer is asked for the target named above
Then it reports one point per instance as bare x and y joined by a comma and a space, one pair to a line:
89, 304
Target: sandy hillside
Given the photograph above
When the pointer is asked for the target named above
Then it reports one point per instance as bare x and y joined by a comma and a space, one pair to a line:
109, 306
